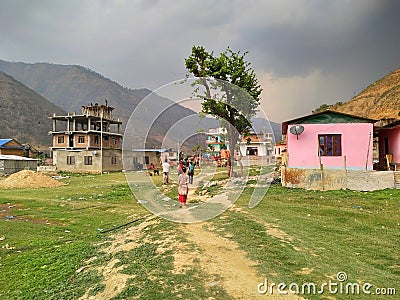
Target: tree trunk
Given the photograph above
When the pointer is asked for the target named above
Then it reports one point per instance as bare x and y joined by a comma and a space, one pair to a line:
233, 138
240, 162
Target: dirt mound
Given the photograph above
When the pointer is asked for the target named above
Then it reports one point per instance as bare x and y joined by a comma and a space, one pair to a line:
29, 179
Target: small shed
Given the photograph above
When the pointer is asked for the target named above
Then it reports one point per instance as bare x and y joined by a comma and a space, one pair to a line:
11, 147
10, 164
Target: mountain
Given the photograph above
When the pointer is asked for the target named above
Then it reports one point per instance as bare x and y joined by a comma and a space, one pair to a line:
260, 125
24, 113
379, 100
71, 86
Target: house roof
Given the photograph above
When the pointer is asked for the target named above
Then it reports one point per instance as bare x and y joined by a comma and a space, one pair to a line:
149, 150
255, 138
3, 144
391, 125
326, 117
4, 141
15, 157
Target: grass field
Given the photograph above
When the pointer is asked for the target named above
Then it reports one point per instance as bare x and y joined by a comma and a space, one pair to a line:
91, 237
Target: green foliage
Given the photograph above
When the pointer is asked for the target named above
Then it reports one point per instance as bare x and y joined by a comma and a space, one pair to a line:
231, 90
322, 107
232, 75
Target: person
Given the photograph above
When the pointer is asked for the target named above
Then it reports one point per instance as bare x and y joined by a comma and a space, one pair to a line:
191, 172
151, 168
154, 170
180, 166
165, 169
183, 180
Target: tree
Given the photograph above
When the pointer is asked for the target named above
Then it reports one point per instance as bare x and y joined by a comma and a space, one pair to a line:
231, 90
322, 107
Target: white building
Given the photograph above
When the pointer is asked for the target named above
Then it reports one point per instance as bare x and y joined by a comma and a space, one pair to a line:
257, 148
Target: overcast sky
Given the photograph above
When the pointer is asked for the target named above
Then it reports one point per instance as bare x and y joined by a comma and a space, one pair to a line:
304, 52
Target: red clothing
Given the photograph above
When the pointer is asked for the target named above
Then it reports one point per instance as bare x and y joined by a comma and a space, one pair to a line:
182, 198
183, 180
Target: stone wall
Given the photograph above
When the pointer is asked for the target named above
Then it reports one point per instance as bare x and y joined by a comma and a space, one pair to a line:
316, 179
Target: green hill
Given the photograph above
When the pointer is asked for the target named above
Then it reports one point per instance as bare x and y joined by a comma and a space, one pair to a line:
24, 113
71, 86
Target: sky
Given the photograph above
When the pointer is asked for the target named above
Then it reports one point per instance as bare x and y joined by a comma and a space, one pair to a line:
304, 52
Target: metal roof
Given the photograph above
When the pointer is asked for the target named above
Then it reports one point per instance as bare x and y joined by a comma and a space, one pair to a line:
15, 157
4, 141
326, 117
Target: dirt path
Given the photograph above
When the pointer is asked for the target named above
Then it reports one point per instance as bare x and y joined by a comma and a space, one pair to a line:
221, 257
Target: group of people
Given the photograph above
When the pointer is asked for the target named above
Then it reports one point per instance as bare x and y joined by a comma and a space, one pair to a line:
185, 171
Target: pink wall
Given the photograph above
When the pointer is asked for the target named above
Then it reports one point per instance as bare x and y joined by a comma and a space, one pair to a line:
393, 136
303, 152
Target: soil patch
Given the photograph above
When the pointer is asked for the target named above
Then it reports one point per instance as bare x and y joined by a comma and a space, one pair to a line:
28, 179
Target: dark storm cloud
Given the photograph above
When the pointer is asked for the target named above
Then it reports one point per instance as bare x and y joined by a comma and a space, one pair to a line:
329, 37
322, 50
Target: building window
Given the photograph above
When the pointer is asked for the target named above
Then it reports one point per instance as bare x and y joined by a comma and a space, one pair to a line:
106, 137
113, 160
70, 160
96, 139
330, 144
60, 140
252, 151
88, 160
81, 139
114, 141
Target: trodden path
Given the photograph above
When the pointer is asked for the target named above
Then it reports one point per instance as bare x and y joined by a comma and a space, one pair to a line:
219, 258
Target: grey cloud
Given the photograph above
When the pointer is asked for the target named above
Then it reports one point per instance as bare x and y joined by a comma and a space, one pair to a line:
144, 43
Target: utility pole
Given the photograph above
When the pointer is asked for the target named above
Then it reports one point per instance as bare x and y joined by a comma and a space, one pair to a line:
101, 142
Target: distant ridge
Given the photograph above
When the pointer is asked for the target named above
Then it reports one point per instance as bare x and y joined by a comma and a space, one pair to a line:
24, 113
72, 86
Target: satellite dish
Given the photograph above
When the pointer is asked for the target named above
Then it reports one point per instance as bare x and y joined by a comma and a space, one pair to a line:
297, 129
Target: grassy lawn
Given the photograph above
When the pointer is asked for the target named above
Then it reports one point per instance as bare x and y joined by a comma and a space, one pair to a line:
293, 236
327, 232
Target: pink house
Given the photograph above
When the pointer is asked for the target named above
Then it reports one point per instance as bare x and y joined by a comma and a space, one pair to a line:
329, 140
389, 143
331, 150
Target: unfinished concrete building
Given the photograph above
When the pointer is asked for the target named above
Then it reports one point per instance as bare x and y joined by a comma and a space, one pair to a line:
87, 143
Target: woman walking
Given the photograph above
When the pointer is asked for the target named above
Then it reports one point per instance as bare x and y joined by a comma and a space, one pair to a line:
183, 181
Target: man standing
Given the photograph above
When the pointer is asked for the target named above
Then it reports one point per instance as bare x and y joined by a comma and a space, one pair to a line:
165, 169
